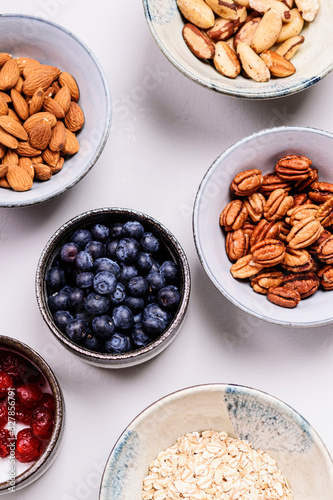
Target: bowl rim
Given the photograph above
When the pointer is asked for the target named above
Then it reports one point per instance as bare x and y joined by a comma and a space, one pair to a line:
195, 215
108, 105
40, 466
208, 387
273, 93
144, 353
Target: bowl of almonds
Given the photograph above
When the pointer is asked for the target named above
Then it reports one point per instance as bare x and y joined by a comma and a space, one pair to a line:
255, 49
218, 441
55, 110
263, 219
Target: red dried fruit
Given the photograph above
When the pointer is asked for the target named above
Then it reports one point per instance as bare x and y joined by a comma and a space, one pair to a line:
42, 423
28, 447
12, 365
6, 383
29, 394
22, 413
48, 401
5, 441
3, 414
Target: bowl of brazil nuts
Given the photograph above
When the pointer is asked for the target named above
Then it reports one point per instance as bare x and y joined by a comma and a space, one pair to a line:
55, 110
269, 248
218, 441
255, 49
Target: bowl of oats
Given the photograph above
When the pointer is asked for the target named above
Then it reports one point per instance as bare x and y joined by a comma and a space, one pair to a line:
218, 441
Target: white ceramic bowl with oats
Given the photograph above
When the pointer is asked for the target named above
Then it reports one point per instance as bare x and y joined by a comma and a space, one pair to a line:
244, 414
261, 150
313, 60
49, 43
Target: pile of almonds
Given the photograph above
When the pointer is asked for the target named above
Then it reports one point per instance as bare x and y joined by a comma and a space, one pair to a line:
39, 116
278, 230
255, 37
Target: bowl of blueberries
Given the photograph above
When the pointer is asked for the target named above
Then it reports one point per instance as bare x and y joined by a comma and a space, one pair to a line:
113, 286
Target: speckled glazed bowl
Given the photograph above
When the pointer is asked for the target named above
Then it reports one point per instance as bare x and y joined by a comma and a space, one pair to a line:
243, 413
313, 61
260, 150
50, 43
109, 216
28, 473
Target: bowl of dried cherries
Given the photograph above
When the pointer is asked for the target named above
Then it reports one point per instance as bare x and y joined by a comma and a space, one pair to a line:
31, 415
263, 219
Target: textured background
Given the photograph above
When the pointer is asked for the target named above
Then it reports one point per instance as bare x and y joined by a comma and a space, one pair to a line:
166, 132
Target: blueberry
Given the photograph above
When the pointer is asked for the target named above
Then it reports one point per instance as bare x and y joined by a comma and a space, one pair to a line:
96, 304
118, 343
128, 272
116, 229
144, 262
138, 318
168, 297
170, 271
83, 315
155, 320
84, 261
138, 287
81, 237
93, 343
135, 304
68, 252
58, 301
77, 330
84, 280
149, 243
155, 266
155, 280
128, 250
133, 229
111, 247
123, 318
62, 319
139, 336
118, 296
106, 264
55, 279
96, 249
103, 327
105, 282
100, 232
75, 298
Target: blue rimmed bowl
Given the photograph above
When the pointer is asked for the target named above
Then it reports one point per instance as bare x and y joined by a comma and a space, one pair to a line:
313, 61
49, 43
243, 413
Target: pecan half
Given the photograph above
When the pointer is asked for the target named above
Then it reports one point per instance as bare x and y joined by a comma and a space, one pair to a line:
313, 249
305, 284
233, 215
325, 250
297, 261
247, 182
300, 199
297, 213
237, 244
268, 253
325, 213
283, 296
248, 227
271, 182
312, 177
326, 277
284, 230
293, 168
255, 206
265, 230
277, 205
265, 280
245, 267
304, 233
320, 191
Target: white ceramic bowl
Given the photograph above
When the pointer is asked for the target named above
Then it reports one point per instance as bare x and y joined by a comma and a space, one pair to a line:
49, 43
243, 413
313, 61
260, 150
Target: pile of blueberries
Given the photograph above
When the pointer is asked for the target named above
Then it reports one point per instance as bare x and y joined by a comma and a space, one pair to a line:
113, 288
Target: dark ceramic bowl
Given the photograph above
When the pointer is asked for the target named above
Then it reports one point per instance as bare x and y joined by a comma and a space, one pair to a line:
110, 216
36, 469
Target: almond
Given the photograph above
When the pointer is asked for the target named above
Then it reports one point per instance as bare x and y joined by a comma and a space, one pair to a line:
53, 107
13, 127
6, 97
58, 138
20, 105
18, 178
8, 140
34, 119
67, 79
42, 172
58, 166
19, 85
74, 119
4, 183
51, 70
9, 75
38, 78
10, 157
3, 170
13, 115
36, 102
3, 106
40, 135
72, 144
51, 158
27, 165
3, 150
36, 160
24, 149
24, 62
63, 98
277, 65
198, 42
4, 57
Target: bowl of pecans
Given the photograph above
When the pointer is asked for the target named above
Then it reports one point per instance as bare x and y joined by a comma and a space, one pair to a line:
266, 241
55, 110
218, 441
254, 49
